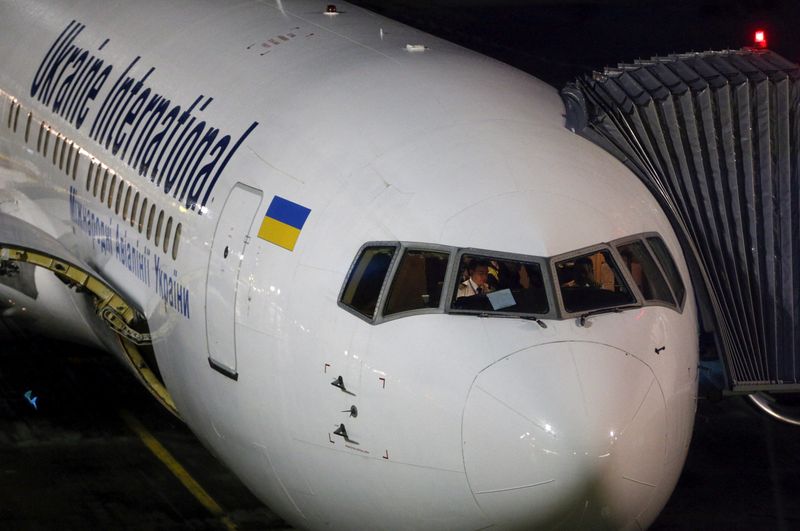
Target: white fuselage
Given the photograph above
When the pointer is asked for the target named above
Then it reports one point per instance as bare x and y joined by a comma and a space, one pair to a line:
463, 422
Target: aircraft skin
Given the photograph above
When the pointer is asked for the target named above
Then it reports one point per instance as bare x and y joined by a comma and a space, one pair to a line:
464, 422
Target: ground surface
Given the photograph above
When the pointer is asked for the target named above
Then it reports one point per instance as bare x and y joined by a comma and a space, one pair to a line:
74, 463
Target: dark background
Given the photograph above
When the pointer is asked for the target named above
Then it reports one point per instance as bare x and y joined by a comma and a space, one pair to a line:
557, 41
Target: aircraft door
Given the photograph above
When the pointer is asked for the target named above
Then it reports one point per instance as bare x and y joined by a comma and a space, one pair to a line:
227, 252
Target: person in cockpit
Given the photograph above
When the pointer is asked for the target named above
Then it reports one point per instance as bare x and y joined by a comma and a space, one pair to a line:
477, 283
579, 275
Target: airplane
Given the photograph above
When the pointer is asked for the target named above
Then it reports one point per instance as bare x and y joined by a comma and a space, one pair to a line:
279, 216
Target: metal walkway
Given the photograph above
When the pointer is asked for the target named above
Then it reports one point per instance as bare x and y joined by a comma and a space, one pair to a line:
715, 137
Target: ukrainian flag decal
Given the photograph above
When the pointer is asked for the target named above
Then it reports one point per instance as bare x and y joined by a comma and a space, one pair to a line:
283, 222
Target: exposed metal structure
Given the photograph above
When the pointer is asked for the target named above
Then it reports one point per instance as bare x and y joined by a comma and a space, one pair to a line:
24, 244
715, 136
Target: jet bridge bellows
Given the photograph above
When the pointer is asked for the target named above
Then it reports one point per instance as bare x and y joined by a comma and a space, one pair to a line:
715, 136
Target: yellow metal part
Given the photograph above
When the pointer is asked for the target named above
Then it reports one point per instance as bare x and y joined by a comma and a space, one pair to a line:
149, 378
110, 306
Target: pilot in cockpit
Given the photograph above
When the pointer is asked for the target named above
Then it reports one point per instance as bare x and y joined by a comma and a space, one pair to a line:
579, 274
478, 281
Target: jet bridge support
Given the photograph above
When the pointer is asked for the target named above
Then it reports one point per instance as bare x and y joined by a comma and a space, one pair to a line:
715, 136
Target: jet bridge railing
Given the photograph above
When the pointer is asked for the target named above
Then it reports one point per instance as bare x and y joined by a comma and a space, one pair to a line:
715, 138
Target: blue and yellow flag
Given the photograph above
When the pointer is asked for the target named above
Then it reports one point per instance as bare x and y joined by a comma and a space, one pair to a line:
283, 222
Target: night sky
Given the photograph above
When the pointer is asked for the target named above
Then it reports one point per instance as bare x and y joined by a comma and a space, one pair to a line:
557, 41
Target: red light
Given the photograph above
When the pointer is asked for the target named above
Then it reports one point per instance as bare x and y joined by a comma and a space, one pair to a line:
761, 39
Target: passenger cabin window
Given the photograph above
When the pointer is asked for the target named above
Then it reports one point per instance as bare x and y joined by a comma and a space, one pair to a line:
76, 160
493, 284
167, 232
645, 272
39, 139
70, 151
418, 282
366, 279
176, 240
590, 282
668, 264
89, 176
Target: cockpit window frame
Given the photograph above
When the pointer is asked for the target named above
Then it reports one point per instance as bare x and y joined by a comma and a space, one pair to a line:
642, 238
619, 264
448, 286
547, 278
384, 287
646, 239
556, 308
393, 267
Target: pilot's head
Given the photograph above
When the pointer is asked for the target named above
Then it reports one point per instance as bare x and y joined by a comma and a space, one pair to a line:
478, 271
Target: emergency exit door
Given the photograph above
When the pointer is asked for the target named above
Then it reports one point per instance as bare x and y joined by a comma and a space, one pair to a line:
227, 253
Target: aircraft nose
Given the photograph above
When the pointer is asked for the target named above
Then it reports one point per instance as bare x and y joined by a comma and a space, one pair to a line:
565, 435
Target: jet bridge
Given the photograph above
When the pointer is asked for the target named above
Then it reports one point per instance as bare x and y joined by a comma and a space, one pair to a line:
715, 136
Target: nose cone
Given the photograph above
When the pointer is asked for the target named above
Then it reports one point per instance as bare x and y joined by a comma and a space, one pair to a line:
566, 435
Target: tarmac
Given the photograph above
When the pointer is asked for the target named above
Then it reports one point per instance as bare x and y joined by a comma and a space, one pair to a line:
85, 458
82, 458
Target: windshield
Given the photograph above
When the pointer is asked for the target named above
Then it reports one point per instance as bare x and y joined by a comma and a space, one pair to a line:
390, 280
590, 282
493, 284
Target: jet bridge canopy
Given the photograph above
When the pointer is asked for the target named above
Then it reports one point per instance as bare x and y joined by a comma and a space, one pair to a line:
714, 136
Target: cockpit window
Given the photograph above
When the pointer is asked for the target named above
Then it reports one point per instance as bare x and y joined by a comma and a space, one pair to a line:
366, 279
645, 272
590, 282
493, 284
418, 282
670, 269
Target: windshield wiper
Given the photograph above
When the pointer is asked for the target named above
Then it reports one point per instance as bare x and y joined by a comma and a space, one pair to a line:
511, 316
534, 318
611, 309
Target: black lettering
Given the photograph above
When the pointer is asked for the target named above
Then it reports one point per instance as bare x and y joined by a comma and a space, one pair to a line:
198, 155
89, 71
205, 172
172, 173
180, 122
156, 141
129, 118
72, 96
101, 115
188, 153
228, 157
65, 87
95, 87
160, 105
55, 61
123, 111
147, 132
72, 52
37, 78
113, 106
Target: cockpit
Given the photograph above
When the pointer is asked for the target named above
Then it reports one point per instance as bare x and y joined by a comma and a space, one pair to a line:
390, 280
